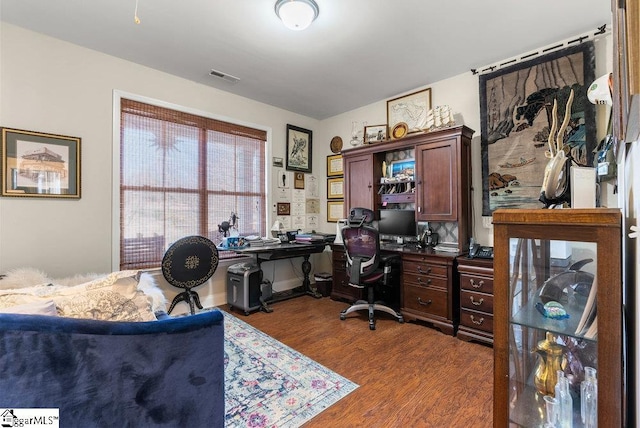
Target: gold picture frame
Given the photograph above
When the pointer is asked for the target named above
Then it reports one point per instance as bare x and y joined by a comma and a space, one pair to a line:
335, 211
411, 109
335, 165
335, 188
40, 165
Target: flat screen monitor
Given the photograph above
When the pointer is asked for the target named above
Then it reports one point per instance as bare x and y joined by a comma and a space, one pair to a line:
397, 223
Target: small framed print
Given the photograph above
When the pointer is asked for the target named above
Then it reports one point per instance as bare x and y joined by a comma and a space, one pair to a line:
39, 165
334, 165
284, 208
375, 134
298, 181
335, 210
335, 188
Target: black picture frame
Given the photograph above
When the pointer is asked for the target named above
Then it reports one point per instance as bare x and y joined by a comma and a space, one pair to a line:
516, 110
299, 145
39, 165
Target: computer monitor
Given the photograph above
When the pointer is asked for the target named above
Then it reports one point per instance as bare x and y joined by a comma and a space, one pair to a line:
394, 223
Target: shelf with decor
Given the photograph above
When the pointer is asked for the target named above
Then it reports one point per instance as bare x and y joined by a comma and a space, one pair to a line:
397, 191
558, 327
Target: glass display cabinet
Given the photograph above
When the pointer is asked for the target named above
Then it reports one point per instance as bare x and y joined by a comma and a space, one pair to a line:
558, 318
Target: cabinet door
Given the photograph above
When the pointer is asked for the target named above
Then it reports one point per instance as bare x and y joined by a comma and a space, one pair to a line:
531, 344
437, 181
358, 172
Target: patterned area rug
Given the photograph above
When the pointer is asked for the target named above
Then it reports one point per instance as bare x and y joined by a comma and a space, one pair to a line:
268, 384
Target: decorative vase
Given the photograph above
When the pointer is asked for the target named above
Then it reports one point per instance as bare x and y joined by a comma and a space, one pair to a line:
549, 362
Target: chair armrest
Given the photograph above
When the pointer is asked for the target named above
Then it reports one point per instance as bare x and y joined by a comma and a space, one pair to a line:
386, 259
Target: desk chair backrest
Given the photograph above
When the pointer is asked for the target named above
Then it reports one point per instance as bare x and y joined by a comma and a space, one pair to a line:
362, 245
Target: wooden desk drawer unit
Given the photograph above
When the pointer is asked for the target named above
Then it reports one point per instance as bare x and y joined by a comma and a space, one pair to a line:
479, 320
427, 290
476, 299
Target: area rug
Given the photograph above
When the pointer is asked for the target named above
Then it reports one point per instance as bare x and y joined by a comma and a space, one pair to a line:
268, 384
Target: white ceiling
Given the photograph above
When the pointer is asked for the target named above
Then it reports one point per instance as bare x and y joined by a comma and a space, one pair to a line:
356, 52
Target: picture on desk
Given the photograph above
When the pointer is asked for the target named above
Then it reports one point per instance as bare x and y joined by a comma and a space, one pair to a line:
403, 168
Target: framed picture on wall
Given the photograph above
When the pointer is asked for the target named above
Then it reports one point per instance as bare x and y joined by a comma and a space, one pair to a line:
335, 188
335, 210
35, 164
411, 109
334, 165
299, 142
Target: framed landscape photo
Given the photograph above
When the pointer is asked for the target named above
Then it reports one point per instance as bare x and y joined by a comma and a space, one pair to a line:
411, 109
335, 188
375, 134
35, 164
299, 142
334, 165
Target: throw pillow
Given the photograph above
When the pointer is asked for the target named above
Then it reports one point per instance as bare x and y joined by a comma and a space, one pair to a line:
47, 307
114, 297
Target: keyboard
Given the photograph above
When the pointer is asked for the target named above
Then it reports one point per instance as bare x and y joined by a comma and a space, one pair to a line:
392, 246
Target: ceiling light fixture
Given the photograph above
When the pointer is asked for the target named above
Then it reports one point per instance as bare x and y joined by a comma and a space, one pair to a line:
297, 14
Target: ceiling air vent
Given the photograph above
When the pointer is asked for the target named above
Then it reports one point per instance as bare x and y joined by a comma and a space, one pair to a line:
226, 77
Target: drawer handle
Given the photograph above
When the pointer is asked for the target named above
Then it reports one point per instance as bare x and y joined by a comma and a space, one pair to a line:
422, 302
428, 281
478, 303
478, 322
428, 271
478, 285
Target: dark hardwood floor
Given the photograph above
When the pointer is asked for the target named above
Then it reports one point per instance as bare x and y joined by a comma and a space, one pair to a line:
409, 375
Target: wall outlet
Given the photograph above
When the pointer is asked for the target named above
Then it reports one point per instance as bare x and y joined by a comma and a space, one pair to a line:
487, 222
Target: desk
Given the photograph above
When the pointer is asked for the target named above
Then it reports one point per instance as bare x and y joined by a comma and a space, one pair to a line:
288, 251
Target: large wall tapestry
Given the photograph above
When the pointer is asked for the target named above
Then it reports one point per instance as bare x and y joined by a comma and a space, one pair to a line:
516, 105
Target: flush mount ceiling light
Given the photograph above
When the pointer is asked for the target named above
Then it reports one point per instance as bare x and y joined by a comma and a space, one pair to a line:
297, 14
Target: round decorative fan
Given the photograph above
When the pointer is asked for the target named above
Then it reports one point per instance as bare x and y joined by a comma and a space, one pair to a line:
189, 262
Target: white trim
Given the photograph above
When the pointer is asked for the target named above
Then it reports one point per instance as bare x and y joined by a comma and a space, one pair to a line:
115, 203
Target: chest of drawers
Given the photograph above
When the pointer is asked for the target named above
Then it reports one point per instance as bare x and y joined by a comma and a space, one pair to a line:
476, 299
427, 290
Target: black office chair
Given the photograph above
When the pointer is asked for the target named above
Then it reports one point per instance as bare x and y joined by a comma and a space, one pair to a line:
366, 267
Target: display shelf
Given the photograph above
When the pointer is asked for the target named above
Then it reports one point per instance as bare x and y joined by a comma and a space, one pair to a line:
530, 348
529, 316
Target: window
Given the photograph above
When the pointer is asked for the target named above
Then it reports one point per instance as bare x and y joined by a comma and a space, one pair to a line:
181, 175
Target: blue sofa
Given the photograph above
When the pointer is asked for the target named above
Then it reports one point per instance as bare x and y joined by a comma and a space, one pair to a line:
166, 373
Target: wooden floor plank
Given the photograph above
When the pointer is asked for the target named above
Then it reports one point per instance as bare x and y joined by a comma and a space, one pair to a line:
410, 375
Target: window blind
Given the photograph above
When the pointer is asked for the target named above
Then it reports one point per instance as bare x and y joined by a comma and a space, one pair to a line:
183, 174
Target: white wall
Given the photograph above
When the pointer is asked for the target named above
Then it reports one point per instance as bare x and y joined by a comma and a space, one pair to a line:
461, 93
51, 86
